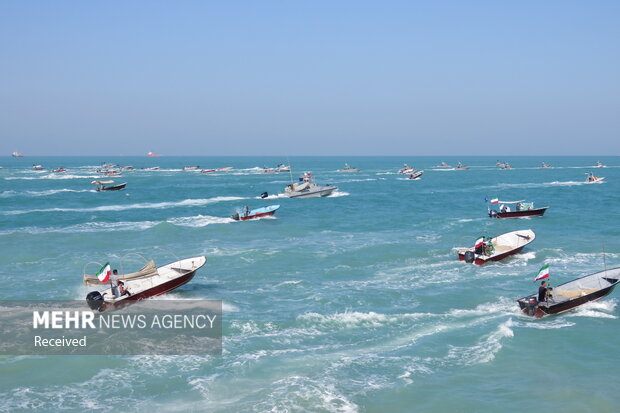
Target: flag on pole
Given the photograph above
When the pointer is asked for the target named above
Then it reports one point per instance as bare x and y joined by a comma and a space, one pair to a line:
543, 273
479, 242
494, 201
104, 273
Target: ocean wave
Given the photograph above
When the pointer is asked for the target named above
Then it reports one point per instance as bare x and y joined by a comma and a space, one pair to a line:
158, 205
486, 348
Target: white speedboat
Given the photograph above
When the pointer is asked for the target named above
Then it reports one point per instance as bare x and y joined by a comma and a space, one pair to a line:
307, 188
406, 170
347, 168
593, 179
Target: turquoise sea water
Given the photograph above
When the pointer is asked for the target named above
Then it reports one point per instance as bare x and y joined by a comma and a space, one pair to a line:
354, 302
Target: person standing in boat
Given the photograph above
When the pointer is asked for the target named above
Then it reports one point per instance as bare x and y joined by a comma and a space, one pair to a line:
543, 292
114, 283
246, 211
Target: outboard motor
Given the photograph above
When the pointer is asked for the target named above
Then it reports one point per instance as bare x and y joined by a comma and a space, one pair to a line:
264, 195
531, 305
470, 257
94, 299
235, 216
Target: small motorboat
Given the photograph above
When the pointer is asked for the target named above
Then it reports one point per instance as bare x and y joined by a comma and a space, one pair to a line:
38, 168
153, 168
59, 170
572, 294
207, 171
283, 168
267, 170
406, 170
347, 168
128, 168
522, 209
191, 168
497, 248
152, 155
505, 166
17, 155
545, 166
225, 169
593, 179
307, 188
247, 214
148, 282
461, 167
500, 164
599, 165
416, 175
101, 186
443, 165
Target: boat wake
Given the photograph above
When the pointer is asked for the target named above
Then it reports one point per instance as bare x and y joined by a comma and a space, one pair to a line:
337, 194
157, 205
199, 221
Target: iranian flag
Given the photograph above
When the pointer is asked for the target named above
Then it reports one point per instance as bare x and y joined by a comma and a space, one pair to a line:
543, 273
104, 273
494, 201
479, 242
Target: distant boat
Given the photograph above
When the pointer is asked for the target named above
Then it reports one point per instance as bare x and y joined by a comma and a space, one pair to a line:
307, 188
416, 175
101, 186
406, 170
599, 165
17, 155
572, 294
59, 170
283, 168
593, 179
443, 165
347, 168
247, 214
461, 167
206, 171
152, 168
497, 248
190, 168
152, 155
545, 166
38, 168
224, 169
522, 209
506, 165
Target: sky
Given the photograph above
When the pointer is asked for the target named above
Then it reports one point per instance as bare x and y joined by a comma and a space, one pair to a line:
316, 77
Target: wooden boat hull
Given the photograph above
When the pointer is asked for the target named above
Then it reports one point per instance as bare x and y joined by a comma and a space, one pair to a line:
498, 257
530, 306
505, 245
112, 188
538, 212
151, 292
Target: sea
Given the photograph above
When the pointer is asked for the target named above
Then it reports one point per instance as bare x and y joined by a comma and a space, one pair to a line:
351, 303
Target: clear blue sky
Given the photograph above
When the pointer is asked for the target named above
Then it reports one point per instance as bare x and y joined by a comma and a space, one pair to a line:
310, 78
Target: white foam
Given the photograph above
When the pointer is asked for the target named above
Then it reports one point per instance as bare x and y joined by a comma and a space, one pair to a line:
86, 227
274, 196
337, 194
199, 221
158, 205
